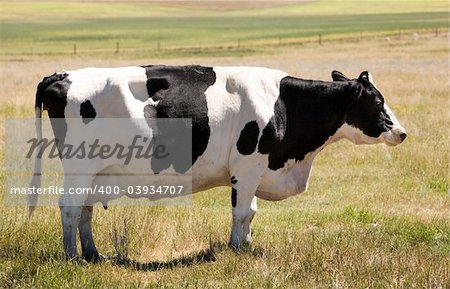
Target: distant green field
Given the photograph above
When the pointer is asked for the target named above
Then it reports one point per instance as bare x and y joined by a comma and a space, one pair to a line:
54, 28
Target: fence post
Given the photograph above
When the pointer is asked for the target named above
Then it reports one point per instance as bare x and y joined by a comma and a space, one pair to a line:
117, 47
437, 32
320, 39
75, 49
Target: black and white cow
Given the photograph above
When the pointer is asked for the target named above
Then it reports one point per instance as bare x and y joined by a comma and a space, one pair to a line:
255, 129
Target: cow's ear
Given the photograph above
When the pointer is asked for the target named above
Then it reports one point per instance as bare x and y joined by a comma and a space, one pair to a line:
365, 77
338, 76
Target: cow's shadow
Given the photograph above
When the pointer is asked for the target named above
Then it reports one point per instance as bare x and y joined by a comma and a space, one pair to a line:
204, 256
207, 255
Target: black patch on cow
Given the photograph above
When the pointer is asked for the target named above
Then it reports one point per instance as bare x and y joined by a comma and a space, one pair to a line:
52, 94
306, 114
233, 180
156, 84
172, 135
87, 112
180, 91
248, 139
233, 197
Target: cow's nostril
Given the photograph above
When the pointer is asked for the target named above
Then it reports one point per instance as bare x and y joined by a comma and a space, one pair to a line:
402, 136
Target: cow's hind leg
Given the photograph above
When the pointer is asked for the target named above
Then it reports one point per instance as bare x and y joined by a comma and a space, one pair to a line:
71, 207
70, 217
89, 251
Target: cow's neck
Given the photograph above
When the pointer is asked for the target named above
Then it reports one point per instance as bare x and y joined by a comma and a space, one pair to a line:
315, 111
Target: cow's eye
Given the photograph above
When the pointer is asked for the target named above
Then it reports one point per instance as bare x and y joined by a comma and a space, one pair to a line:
378, 102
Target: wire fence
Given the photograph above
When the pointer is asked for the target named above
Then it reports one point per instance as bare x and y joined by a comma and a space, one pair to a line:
239, 45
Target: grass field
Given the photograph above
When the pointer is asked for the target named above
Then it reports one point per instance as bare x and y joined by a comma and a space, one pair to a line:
373, 217
146, 29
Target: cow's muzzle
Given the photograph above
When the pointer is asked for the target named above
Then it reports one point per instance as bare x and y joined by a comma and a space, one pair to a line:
394, 137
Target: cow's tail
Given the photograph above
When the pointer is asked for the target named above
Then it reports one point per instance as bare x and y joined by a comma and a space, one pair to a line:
36, 179
38, 108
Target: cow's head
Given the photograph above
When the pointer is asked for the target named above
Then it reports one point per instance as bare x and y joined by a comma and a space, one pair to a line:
368, 119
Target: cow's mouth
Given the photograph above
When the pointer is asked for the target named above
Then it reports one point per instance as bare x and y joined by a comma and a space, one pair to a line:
391, 144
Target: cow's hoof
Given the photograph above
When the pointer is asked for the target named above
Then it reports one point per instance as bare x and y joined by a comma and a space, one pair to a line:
93, 257
240, 247
71, 257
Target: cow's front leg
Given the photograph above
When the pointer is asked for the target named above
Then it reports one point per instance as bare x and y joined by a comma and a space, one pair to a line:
89, 251
243, 202
248, 220
245, 178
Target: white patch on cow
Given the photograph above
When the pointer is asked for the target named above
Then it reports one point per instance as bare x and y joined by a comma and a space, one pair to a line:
290, 180
396, 124
355, 135
153, 104
287, 181
113, 92
392, 137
